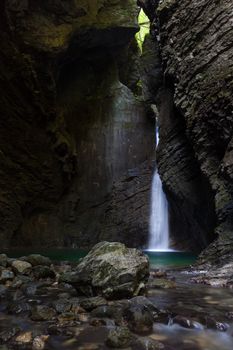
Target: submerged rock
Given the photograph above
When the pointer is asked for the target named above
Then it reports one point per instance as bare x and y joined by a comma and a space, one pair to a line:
111, 270
186, 322
41, 271
62, 305
114, 312
66, 317
7, 334
19, 307
98, 322
158, 315
43, 313
212, 323
30, 288
3, 290
139, 319
158, 274
92, 303
162, 283
141, 300
149, 344
119, 337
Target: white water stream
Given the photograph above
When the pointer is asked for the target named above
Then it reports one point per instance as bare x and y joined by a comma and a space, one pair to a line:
159, 223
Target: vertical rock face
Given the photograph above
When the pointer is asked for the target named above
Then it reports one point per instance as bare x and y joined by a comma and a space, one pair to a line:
188, 192
113, 137
71, 126
196, 147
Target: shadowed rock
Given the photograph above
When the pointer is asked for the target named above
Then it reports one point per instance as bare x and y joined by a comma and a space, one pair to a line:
68, 72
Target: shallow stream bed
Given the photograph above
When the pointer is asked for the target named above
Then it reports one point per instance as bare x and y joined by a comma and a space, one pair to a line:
200, 303
209, 311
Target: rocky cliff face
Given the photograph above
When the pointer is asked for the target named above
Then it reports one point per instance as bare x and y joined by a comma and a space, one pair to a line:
71, 125
196, 153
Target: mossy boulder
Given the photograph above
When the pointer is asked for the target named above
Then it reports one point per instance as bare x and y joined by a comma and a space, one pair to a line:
111, 270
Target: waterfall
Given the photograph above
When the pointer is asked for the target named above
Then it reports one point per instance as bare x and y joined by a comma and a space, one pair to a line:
159, 225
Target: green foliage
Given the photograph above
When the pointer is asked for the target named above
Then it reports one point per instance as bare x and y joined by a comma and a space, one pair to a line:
144, 24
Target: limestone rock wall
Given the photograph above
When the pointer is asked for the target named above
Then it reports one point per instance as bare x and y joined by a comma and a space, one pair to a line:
197, 47
71, 126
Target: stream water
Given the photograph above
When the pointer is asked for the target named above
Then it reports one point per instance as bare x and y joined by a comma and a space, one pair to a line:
197, 302
180, 297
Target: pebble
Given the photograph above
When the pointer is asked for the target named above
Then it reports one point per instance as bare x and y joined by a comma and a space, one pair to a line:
25, 337
39, 342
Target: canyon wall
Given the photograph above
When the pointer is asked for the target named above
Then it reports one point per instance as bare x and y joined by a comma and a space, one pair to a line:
75, 139
195, 158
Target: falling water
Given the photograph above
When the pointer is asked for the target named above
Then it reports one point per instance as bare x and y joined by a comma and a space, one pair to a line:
159, 226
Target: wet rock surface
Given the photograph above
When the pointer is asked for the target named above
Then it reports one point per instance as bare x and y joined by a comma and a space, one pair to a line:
21, 267
195, 115
45, 313
150, 344
216, 276
92, 303
42, 313
37, 259
184, 322
139, 319
120, 337
110, 270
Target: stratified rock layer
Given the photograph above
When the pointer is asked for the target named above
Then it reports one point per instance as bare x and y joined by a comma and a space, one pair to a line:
197, 51
70, 121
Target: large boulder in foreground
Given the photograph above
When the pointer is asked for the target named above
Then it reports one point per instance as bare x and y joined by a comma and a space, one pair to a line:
111, 270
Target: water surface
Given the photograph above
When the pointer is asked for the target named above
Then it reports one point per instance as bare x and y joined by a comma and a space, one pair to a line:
157, 259
196, 302
170, 259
